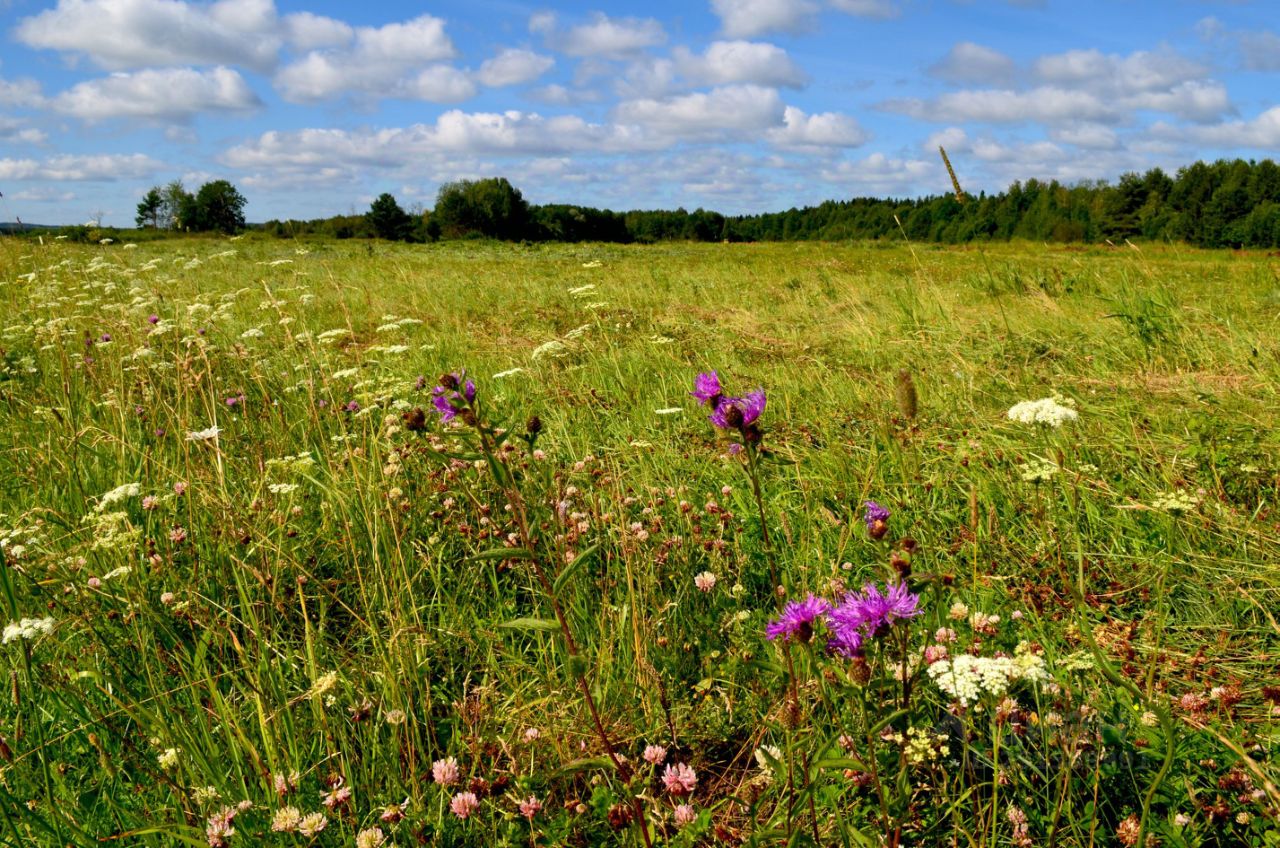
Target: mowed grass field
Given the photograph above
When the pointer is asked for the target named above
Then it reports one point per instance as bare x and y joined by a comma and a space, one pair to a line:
252, 597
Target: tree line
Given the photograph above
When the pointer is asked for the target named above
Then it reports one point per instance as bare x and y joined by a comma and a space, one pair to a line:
1228, 203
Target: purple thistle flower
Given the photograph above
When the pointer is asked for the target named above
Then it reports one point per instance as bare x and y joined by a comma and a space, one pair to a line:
734, 413
752, 406
875, 513
440, 400
862, 615
847, 643
882, 610
448, 400
877, 518
153, 318
797, 619
706, 388
352, 406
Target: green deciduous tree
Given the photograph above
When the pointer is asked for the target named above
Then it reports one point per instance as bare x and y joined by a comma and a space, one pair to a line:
493, 208
217, 206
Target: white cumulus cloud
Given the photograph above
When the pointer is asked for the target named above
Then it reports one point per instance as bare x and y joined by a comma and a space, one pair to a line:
174, 94
307, 31
20, 93
77, 168
973, 64
828, 129
513, 66
395, 60
124, 34
748, 18
727, 62
718, 113
600, 35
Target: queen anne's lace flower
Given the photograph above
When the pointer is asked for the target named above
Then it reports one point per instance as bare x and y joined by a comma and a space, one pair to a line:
968, 678
27, 628
1052, 411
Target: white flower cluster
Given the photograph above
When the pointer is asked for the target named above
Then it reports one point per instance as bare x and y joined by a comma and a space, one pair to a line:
1179, 501
967, 678
27, 628
119, 493
1038, 470
1052, 411
766, 756
203, 435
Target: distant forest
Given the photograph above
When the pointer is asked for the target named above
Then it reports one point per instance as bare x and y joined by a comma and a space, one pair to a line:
1222, 204
1228, 203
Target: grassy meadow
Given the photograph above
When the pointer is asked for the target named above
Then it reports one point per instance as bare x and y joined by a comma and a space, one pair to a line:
257, 591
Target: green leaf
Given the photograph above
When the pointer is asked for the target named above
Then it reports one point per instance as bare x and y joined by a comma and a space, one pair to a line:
500, 554
544, 624
841, 763
886, 721
573, 568
585, 765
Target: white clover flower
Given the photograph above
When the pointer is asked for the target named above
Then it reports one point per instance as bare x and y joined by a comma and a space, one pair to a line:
1051, 411
286, 820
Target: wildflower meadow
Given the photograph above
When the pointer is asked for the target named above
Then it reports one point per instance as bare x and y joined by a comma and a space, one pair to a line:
334, 544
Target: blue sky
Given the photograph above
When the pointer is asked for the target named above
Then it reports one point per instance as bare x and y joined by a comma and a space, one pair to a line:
315, 108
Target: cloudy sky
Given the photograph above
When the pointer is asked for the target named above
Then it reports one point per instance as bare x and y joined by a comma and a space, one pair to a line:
313, 108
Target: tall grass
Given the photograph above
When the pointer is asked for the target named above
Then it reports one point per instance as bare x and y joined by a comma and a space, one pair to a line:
333, 594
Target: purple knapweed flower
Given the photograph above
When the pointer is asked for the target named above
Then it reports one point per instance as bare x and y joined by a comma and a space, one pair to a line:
706, 388
875, 513
153, 318
877, 519
352, 406
734, 413
797, 619
440, 400
882, 610
863, 615
448, 400
844, 641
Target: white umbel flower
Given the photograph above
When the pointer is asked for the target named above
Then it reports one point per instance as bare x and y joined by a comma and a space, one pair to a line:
27, 628
1051, 411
